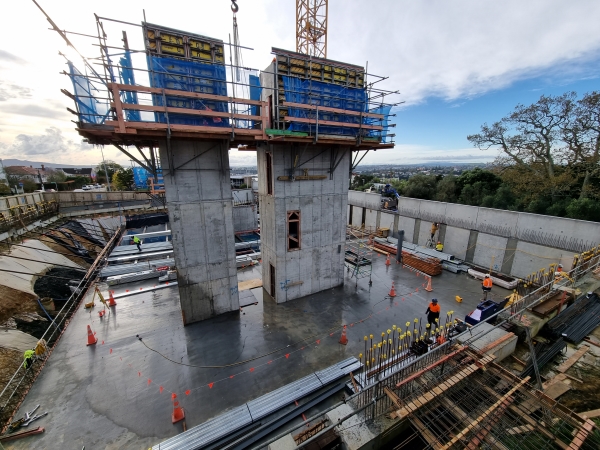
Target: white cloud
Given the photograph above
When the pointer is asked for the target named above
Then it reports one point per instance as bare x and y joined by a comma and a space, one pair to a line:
52, 142
453, 50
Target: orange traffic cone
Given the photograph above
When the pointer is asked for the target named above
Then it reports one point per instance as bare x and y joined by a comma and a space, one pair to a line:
387, 261
392, 291
91, 338
344, 338
111, 299
178, 413
428, 288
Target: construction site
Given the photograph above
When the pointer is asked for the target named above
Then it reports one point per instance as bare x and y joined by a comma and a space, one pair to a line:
298, 314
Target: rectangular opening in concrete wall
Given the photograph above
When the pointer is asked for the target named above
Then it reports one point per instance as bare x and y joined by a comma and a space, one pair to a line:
293, 222
272, 280
269, 174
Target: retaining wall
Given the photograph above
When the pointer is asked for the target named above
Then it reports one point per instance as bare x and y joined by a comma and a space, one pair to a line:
512, 242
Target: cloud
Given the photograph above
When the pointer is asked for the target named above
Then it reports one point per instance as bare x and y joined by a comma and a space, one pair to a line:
52, 142
33, 110
9, 57
465, 48
10, 91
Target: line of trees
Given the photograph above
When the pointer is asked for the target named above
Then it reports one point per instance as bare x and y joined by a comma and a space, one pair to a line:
548, 162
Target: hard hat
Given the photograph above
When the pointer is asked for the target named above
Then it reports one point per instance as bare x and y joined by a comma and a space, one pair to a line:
434, 300
486, 275
560, 265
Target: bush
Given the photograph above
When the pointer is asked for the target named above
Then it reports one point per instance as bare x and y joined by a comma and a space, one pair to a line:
584, 209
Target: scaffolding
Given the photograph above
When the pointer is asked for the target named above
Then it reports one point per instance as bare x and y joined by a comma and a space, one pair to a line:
358, 256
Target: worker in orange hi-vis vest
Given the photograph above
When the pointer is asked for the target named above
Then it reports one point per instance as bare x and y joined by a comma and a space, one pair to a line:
486, 286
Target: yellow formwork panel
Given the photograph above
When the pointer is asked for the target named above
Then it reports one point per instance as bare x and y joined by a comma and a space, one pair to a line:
171, 39
173, 50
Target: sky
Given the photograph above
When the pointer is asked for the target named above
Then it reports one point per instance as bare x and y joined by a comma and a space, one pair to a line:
457, 64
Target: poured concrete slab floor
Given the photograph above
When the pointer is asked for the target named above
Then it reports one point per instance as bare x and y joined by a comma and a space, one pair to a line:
118, 393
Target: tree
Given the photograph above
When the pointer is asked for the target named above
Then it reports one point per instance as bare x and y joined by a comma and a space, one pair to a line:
532, 138
584, 209
112, 168
4, 189
421, 186
123, 179
29, 185
57, 176
446, 189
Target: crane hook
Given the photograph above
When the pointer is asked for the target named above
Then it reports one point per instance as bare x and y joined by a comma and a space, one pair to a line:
234, 7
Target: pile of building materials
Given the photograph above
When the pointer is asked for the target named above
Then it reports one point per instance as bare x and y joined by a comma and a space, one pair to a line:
136, 276
422, 262
498, 279
544, 353
255, 411
577, 321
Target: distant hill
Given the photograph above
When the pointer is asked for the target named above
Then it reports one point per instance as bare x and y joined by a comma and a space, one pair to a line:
23, 162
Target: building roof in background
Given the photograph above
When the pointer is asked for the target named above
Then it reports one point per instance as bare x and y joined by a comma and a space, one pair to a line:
22, 170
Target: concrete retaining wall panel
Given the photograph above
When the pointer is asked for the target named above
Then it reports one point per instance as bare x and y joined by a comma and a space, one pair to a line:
490, 251
408, 225
409, 207
371, 218
244, 218
532, 257
357, 212
456, 242
497, 222
387, 220
364, 199
463, 216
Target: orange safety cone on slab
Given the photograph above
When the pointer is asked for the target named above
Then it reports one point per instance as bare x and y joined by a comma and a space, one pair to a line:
392, 290
111, 299
428, 288
387, 261
344, 338
91, 338
178, 414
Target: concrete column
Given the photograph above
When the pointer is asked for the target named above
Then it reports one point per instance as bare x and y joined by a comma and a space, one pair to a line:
198, 195
394, 232
442, 233
378, 220
321, 201
417, 231
509, 255
473, 235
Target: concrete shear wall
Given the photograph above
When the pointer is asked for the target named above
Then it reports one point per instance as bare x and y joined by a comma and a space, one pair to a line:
501, 240
323, 207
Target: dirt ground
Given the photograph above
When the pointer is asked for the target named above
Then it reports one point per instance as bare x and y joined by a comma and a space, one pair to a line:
13, 301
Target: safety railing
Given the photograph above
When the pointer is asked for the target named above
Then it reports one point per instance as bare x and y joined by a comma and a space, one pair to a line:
259, 123
373, 401
17, 387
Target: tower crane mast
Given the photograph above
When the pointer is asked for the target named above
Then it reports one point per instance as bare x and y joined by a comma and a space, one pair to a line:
311, 27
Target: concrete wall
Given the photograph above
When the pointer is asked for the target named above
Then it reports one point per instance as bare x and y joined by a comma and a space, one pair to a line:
364, 199
244, 218
200, 212
514, 242
322, 203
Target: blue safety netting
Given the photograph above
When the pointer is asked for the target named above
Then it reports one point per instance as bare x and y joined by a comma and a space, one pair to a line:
190, 76
127, 77
385, 111
255, 92
330, 95
90, 110
141, 176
